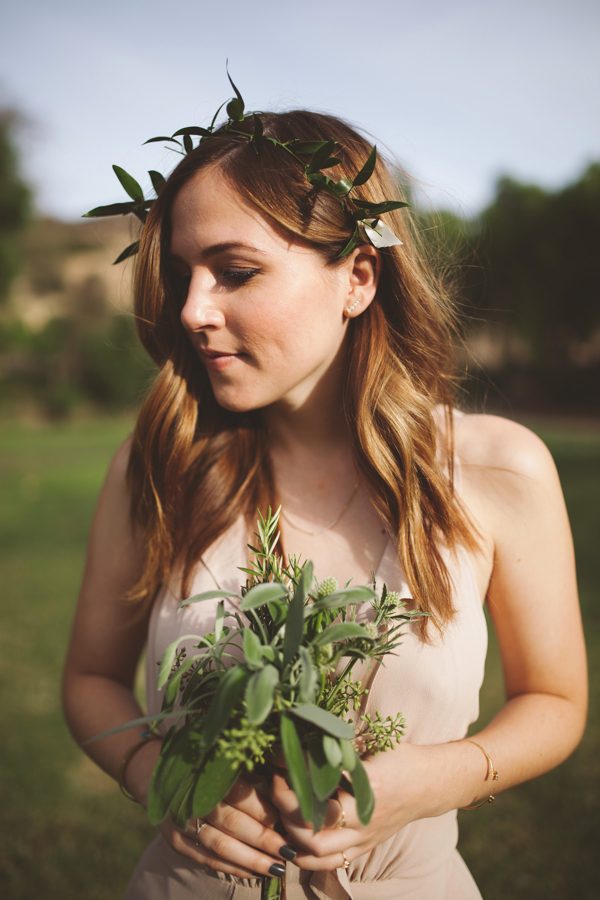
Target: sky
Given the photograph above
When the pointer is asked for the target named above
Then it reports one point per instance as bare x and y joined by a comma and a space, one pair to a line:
459, 93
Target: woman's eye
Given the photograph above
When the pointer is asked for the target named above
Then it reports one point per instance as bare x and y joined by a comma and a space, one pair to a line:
238, 276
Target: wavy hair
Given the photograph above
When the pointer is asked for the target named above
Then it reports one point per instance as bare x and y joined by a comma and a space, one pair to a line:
190, 454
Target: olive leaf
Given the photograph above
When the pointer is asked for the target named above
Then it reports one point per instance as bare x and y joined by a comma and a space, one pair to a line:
130, 185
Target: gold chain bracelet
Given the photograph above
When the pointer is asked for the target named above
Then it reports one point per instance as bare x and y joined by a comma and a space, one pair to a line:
492, 773
146, 737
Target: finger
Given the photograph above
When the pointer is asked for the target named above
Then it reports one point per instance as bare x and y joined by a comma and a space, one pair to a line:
322, 843
330, 862
187, 847
238, 824
235, 852
253, 799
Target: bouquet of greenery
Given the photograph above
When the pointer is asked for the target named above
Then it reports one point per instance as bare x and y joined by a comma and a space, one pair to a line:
274, 679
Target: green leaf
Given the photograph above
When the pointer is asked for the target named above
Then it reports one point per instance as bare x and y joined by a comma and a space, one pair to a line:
188, 145
129, 183
113, 209
193, 130
349, 756
161, 137
263, 593
345, 597
377, 209
226, 697
213, 783
307, 148
368, 168
205, 595
158, 180
332, 751
365, 801
174, 682
235, 108
219, 619
308, 677
340, 632
321, 156
325, 777
296, 764
340, 188
324, 720
168, 658
260, 691
130, 250
252, 648
170, 773
295, 618
355, 241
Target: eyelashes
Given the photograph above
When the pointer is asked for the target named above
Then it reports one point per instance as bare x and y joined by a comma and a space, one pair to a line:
228, 277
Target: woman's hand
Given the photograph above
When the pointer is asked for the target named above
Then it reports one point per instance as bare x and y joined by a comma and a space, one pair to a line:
237, 837
400, 797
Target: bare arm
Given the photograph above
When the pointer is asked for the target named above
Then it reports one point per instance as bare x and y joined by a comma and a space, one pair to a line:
108, 636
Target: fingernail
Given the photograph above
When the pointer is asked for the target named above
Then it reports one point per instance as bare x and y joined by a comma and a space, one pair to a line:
277, 869
287, 852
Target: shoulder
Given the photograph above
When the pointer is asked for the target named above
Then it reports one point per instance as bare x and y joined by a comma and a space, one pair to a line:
501, 446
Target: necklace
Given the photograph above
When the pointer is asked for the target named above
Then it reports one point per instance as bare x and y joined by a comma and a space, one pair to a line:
346, 505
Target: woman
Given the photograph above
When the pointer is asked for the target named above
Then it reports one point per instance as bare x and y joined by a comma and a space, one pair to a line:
292, 374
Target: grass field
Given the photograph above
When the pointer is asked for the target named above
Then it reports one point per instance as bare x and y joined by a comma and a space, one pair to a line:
67, 832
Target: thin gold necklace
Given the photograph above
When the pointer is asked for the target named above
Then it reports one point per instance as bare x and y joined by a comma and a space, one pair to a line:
345, 507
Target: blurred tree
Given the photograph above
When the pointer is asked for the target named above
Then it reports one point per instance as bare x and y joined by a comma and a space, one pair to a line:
15, 200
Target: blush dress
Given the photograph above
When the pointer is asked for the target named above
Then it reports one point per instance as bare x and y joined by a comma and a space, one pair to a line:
435, 685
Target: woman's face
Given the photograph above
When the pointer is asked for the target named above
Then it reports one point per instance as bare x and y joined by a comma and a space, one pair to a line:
269, 303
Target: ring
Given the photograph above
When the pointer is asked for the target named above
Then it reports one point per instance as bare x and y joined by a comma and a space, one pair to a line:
200, 824
346, 861
341, 822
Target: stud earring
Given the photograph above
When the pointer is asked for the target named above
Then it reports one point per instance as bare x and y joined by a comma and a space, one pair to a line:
353, 305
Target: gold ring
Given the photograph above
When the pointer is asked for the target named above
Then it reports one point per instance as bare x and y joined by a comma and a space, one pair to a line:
346, 861
200, 824
341, 822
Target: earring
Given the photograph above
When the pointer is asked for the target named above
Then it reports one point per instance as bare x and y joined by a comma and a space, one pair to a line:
353, 305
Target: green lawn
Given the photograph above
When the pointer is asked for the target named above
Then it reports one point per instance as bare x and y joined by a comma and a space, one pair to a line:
57, 839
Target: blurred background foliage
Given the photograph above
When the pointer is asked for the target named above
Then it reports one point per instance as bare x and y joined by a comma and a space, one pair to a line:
71, 375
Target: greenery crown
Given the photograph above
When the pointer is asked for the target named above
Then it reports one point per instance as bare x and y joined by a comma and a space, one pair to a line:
315, 156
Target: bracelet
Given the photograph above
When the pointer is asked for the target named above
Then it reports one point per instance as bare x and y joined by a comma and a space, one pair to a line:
492, 773
146, 737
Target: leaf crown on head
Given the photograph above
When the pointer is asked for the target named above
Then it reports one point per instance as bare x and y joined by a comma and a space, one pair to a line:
316, 157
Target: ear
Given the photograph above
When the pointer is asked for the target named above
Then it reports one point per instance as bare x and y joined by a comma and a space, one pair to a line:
363, 268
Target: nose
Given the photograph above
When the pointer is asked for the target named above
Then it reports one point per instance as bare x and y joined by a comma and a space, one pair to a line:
201, 310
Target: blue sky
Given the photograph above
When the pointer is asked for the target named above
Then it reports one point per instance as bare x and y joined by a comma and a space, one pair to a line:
459, 92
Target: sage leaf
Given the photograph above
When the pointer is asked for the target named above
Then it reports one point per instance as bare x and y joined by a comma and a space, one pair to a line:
224, 701
340, 632
168, 658
263, 593
205, 595
365, 801
295, 618
324, 720
131, 186
332, 750
260, 691
325, 777
213, 783
349, 756
252, 648
345, 597
296, 764
307, 685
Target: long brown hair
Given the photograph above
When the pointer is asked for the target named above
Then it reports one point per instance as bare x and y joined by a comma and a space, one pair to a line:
194, 466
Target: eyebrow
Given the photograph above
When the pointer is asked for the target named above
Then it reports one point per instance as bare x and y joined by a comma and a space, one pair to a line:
215, 249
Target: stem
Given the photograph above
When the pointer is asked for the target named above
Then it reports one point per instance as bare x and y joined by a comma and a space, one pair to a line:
340, 678
271, 888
